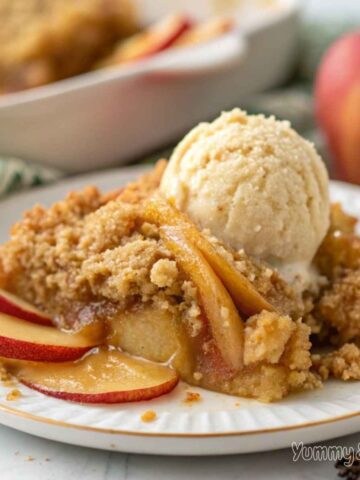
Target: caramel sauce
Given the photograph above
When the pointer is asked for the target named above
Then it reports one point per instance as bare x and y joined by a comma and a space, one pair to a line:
104, 370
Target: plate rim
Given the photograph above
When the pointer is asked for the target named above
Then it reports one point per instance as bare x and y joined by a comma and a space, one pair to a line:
112, 431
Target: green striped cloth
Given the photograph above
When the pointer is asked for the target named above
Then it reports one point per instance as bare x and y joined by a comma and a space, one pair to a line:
16, 174
293, 102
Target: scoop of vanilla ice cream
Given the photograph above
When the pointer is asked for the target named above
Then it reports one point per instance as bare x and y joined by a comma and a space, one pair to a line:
256, 184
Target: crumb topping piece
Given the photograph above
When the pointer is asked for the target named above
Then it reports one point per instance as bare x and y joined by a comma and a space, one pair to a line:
192, 397
15, 394
148, 416
343, 363
266, 335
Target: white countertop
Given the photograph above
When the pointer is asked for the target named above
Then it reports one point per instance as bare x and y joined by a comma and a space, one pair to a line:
26, 457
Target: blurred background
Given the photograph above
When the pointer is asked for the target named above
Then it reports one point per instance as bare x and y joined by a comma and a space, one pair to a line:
91, 84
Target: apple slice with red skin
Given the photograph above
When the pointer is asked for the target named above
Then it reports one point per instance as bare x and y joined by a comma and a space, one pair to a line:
226, 326
150, 41
107, 376
14, 306
245, 296
23, 340
205, 32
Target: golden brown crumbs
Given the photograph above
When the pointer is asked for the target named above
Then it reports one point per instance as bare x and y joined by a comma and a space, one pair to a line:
15, 394
148, 416
339, 306
139, 190
266, 335
343, 363
297, 351
191, 308
164, 273
192, 397
29, 458
81, 252
335, 318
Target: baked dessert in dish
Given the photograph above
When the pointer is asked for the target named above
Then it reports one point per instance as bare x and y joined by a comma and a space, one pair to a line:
226, 267
43, 41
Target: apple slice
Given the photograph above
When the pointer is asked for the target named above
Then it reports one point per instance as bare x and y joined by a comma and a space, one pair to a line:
205, 32
152, 40
245, 296
14, 306
107, 376
225, 323
22, 340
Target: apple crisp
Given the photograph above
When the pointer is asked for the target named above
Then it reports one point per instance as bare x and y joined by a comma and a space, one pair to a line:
46, 40
113, 259
92, 257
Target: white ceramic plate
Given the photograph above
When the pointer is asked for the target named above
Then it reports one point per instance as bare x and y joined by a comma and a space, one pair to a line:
218, 424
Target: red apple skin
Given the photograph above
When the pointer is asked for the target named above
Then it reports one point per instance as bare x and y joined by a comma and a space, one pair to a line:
9, 306
21, 350
337, 104
154, 39
141, 394
183, 27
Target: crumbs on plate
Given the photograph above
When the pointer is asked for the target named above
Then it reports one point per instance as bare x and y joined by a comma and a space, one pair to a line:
192, 397
148, 416
15, 394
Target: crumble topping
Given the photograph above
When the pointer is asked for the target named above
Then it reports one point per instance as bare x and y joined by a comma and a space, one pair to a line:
343, 363
266, 335
297, 351
193, 310
340, 305
120, 272
136, 192
164, 273
335, 316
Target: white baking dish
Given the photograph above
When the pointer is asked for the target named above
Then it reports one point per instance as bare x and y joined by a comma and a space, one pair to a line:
110, 117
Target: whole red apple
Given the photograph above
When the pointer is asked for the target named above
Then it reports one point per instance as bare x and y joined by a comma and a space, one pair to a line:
337, 103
